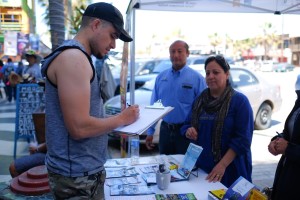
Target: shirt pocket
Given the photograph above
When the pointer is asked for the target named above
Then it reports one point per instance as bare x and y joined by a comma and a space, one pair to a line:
186, 93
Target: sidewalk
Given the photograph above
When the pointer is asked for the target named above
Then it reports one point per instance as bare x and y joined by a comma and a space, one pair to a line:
264, 164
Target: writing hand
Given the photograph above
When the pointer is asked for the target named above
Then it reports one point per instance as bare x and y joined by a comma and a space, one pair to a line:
130, 114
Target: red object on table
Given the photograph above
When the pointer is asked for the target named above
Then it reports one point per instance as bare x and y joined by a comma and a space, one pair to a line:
32, 182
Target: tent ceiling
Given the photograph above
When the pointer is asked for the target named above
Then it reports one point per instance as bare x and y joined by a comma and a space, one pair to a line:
232, 6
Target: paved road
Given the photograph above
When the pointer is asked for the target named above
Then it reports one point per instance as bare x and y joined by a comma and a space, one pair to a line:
264, 164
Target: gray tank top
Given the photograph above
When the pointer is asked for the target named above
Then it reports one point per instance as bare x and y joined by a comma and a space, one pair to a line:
65, 155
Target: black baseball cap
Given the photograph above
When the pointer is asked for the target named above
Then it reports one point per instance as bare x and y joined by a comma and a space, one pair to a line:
111, 14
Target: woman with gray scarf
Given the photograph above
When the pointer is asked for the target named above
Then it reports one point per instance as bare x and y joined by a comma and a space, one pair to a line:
221, 122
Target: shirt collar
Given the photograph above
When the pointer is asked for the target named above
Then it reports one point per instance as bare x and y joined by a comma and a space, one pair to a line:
179, 71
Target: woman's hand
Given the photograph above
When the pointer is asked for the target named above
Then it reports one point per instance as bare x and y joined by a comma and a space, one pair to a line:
278, 146
271, 147
191, 133
281, 145
217, 173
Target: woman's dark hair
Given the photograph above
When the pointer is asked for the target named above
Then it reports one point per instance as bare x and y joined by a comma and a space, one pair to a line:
220, 60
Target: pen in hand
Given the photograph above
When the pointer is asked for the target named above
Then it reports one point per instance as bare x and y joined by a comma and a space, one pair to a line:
128, 104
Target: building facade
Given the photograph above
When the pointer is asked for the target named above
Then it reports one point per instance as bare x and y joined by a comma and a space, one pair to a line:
295, 49
16, 16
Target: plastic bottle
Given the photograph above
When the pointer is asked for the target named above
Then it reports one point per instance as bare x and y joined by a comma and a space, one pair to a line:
134, 148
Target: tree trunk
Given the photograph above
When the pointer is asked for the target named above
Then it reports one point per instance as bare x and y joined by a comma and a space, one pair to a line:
57, 22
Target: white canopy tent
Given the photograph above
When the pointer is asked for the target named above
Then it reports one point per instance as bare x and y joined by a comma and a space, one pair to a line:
230, 6
237, 6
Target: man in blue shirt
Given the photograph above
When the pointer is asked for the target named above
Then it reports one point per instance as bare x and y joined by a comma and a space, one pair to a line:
176, 87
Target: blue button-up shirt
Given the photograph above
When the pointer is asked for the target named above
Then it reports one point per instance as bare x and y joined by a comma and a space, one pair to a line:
179, 90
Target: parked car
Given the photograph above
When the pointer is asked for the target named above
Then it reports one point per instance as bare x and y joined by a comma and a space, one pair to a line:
283, 67
152, 68
297, 84
265, 98
145, 72
268, 65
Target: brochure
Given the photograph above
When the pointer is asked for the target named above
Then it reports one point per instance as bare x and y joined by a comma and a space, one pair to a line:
149, 169
189, 160
239, 190
123, 172
184, 196
216, 194
155, 160
255, 194
130, 190
149, 178
113, 163
175, 176
122, 181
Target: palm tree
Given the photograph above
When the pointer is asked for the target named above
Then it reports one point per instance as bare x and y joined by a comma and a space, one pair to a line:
57, 22
269, 39
215, 40
55, 17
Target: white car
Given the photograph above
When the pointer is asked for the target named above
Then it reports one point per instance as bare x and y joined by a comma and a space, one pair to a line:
265, 98
297, 84
268, 65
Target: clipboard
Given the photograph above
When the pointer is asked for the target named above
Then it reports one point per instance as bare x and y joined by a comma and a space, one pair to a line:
149, 115
157, 105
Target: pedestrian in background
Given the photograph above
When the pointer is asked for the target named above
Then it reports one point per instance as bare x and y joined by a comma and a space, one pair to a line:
1, 78
20, 68
106, 80
176, 87
32, 72
221, 121
10, 90
22, 164
76, 131
287, 144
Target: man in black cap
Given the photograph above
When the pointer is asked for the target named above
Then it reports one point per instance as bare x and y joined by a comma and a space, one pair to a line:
76, 132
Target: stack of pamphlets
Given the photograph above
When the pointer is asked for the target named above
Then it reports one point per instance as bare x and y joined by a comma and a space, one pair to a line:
130, 190
122, 181
123, 172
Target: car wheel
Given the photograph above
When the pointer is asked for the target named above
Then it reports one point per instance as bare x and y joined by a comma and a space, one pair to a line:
263, 117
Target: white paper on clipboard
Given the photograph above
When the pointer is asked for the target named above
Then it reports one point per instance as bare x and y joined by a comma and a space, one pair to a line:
148, 117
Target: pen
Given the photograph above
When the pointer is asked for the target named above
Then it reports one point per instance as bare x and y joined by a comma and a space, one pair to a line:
128, 104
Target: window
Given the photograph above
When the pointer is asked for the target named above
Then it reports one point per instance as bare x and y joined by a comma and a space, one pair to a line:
11, 18
241, 78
